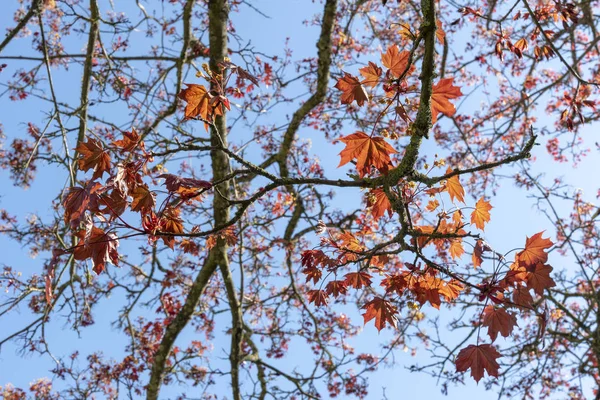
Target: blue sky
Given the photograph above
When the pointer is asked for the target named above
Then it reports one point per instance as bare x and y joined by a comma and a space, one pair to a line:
513, 216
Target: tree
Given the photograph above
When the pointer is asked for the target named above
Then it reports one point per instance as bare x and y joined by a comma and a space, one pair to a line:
230, 246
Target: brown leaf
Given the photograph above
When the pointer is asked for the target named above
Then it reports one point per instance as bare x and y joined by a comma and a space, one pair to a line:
352, 90
79, 200
130, 141
538, 278
143, 200
174, 183
93, 156
478, 358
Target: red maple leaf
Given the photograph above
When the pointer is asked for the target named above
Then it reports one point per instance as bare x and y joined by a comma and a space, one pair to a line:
478, 358
357, 279
319, 297
498, 321
383, 312
78, 200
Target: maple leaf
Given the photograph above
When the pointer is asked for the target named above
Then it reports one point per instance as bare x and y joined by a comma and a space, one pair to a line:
428, 290
371, 73
454, 188
319, 297
130, 141
538, 278
79, 200
498, 321
479, 358
352, 90
396, 61
478, 250
451, 290
481, 214
312, 273
98, 245
534, 250
336, 288
439, 32
93, 156
143, 199
198, 102
115, 204
368, 152
395, 283
382, 311
175, 183
522, 297
432, 205
379, 203
456, 248
172, 223
357, 279
442, 92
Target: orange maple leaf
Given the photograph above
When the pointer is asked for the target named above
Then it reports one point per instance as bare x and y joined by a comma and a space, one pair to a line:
454, 188
534, 250
352, 90
456, 248
368, 152
379, 203
498, 321
481, 214
383, 312
538, 278
198, 102
371, 73
396, 61
451, 289
93, 156
443, 91
478, 358
439, 32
